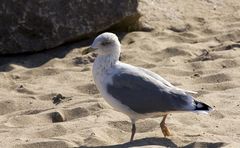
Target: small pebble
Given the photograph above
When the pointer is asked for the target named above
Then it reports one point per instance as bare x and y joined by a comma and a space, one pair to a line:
57, 117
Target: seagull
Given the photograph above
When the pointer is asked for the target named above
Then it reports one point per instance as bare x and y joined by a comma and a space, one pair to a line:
137, 92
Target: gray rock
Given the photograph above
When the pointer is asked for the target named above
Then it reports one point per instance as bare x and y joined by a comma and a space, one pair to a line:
34, 25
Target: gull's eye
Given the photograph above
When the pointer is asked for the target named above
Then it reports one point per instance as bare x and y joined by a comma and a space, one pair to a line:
105, 43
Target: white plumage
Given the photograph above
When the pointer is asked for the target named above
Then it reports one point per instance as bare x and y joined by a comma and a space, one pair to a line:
135, 91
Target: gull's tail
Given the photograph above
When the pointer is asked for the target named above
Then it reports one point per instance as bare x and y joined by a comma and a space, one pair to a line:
202, 107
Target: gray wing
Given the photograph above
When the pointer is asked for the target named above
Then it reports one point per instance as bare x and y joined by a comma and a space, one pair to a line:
142, 95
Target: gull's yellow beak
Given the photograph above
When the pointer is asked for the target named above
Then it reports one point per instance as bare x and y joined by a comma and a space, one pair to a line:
88, 50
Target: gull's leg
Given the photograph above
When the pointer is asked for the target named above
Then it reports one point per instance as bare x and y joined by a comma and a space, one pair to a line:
164, 128
133, 131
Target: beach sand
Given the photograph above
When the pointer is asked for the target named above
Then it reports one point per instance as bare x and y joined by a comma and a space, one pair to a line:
195, 45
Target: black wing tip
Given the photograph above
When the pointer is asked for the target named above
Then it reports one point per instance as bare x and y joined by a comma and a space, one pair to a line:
202, 107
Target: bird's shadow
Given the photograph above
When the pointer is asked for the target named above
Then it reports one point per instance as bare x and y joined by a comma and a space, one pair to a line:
140, 142
160, 142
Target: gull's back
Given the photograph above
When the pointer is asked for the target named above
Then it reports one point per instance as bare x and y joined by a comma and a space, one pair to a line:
142, 93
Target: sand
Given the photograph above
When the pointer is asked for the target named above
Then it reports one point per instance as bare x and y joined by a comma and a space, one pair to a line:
195, 45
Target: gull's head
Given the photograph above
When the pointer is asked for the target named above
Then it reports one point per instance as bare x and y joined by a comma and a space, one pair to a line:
105, 44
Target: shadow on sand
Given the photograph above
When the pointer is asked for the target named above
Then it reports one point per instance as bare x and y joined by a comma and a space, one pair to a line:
36, 59
164, 142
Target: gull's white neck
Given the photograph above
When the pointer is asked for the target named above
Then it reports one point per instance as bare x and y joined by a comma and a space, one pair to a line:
103, 62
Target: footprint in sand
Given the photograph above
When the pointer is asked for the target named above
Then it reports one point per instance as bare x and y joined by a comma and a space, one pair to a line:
54, 130
205, 56
223, 47
7, 106
75, 113
83, 60
173, 51
217, 115
214, 78
88, 89
47, 143
23, 89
